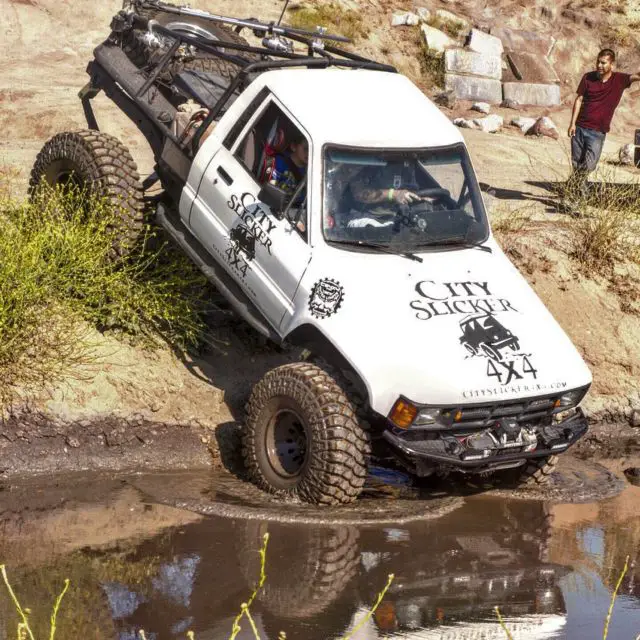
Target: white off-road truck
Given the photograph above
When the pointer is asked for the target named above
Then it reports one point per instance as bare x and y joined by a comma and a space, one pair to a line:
337, 209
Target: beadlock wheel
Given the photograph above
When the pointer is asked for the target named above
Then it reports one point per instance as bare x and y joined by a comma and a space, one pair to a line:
303, 438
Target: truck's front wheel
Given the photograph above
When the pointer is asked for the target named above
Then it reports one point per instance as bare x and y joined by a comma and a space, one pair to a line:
302, 437
536, 471
102, 166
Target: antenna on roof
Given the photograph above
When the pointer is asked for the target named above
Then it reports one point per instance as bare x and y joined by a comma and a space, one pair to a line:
284, 10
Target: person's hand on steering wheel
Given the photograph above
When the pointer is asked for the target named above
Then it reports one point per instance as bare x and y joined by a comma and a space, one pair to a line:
404, 196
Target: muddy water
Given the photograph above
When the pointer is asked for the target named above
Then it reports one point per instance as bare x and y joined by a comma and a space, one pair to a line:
141, 555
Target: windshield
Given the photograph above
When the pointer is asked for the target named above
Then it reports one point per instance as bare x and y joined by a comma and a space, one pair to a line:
402, 199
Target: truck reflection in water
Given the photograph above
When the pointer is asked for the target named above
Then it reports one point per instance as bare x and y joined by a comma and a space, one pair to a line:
450, 573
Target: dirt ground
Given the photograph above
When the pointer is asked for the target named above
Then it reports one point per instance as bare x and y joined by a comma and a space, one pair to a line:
44, 48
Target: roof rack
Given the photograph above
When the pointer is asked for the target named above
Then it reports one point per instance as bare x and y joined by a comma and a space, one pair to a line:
320, 54
257, 26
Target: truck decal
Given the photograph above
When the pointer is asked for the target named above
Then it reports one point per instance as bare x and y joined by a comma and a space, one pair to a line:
484, 336
326, 298
456, 298
249, 209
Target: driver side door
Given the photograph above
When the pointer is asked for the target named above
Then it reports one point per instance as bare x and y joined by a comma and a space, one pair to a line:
262, 250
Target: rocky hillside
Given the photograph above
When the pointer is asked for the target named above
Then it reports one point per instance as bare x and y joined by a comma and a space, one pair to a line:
45, 45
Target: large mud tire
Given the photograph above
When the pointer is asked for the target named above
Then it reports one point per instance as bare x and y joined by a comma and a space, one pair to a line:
302, 437
537, 471
101, 165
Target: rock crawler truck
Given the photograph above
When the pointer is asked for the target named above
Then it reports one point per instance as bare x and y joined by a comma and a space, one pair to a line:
424, 344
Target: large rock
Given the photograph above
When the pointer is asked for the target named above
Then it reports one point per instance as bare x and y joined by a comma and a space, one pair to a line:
482, 107
436, 40
402, 18
490, 124
482, 42
463, 123
530, 67
473, 88
477, 64
524, 41
523, 123
424, 14
542, 95
544, 126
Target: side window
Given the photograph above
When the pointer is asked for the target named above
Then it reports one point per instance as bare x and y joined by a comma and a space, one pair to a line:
240, 124
275, 151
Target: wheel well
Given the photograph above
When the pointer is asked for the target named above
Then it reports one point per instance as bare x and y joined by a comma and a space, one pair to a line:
311, 338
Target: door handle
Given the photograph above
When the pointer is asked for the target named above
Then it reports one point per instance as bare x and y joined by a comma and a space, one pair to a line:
225, 176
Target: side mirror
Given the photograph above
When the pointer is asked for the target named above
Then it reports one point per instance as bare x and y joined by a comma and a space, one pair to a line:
274, 197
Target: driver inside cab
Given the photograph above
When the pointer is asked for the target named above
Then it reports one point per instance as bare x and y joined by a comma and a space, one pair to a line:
385, 186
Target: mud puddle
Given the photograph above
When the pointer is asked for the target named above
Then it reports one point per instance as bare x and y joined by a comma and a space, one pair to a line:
176, 552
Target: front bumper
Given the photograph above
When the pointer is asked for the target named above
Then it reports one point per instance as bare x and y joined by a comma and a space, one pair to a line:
448, 450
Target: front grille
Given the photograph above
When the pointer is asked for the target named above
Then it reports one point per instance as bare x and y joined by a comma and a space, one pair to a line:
523, 412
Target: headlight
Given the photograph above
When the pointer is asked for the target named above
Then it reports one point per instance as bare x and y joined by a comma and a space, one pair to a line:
570, 399
405, 414
426, 417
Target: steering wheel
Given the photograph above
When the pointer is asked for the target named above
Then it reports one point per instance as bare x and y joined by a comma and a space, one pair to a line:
434, 192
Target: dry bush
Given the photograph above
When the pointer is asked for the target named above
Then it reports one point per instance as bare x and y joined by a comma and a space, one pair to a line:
333, 16
58, 274
607, 222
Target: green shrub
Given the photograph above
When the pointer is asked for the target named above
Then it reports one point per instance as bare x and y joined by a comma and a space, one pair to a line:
57, 269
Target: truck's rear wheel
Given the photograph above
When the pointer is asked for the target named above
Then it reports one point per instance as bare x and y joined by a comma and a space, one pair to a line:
101, 165
302, 437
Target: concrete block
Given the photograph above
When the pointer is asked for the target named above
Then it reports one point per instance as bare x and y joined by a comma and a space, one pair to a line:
524, 41
474, 88
532, 68
542, 95
477, 64
482, 42
436, 40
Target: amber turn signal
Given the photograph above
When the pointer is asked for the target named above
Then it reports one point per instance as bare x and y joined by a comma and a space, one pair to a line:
403, 414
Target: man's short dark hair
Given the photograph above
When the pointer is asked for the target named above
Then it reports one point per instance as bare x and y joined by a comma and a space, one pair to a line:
297, 137
609, 53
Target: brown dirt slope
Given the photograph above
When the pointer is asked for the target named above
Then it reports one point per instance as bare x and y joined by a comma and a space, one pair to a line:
44, 48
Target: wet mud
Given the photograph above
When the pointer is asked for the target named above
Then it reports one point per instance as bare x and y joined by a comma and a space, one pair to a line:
32, 443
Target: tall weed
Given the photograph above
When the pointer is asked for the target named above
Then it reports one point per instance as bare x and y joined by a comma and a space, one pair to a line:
58, 272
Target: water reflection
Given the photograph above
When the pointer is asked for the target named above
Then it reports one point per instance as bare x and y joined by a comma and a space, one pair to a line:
449, 573
549, 569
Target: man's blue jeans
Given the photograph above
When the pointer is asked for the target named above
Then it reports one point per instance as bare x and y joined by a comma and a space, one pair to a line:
586, 148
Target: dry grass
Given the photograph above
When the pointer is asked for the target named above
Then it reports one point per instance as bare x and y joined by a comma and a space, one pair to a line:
333, 16
605, 230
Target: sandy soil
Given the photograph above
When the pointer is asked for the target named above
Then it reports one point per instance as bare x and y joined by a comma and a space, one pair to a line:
44, 48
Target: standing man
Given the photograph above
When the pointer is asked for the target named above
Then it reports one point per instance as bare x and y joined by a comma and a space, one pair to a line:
599, 94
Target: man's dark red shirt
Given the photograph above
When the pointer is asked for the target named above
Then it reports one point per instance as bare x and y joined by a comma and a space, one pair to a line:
600, 99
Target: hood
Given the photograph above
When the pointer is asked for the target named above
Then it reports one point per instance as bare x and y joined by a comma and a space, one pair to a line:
461, 327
